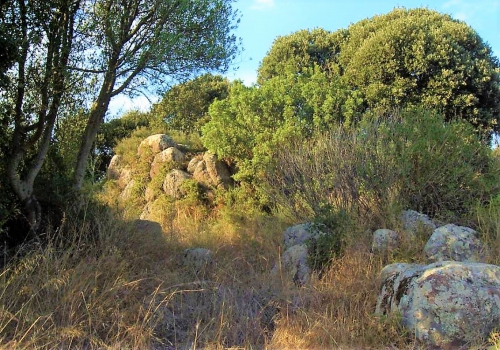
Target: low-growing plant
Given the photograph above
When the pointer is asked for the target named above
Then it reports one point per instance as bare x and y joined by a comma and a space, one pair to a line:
337, 225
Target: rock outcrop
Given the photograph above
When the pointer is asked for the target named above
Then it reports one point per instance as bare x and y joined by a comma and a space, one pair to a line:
451, 302
385, 240
118, 171
414, 222
127, 191
172, 185
293, 263
446, 304
452, 242
169, 155
114, 167
302, 233
210, 171
155, 144
165, 156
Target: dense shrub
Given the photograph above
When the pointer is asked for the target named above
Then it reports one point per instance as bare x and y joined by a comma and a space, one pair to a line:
409, 159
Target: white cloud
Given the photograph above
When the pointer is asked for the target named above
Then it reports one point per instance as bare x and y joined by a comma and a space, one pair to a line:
467, 10
122, 103
261, 5
462, 16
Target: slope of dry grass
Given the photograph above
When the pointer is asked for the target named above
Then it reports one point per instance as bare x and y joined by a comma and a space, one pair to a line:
110, 286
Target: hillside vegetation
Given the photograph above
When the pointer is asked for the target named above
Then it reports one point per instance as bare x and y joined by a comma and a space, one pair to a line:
344, 130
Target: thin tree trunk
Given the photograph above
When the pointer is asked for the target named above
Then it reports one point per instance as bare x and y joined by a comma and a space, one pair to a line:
96, 117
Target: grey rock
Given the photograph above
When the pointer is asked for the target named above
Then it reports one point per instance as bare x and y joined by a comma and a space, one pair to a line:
414, 222
293, 263
126, 194
155, 144
114, 168
385, 240
119, 171
446, 304
169, 155
193, 163
452, 242
210, 171
302, 233
172, 185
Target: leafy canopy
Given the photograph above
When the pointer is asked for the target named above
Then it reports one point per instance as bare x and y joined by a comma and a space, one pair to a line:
403, 58
312, 81
184, 107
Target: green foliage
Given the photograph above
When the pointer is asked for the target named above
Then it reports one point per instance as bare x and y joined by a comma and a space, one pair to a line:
191, 141
64, 148
194, 192
337, 224
112, 132
442, 166
301, 51
252, 121
311, 81
128, 146
69, 130
421, 57
184, 107
7, 43
405, 58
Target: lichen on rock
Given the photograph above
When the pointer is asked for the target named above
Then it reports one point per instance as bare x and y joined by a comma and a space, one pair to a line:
446, 304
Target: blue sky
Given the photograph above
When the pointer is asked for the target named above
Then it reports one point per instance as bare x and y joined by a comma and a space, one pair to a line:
263, 21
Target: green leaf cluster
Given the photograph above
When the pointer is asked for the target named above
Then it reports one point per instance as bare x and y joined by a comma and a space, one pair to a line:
313, 80
248, 124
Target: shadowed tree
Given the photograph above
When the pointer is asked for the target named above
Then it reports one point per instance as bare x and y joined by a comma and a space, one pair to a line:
69, 51
184, 107
43, 32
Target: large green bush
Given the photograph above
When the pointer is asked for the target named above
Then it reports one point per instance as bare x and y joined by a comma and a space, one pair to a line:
252, 121
399, 59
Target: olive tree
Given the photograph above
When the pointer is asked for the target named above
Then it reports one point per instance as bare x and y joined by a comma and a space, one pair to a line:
140, 43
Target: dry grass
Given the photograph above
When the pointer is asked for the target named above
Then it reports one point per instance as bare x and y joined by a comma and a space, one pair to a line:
110, 284
122, 287
336, 311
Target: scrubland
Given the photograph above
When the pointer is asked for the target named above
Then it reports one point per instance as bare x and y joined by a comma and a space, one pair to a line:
101, 281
